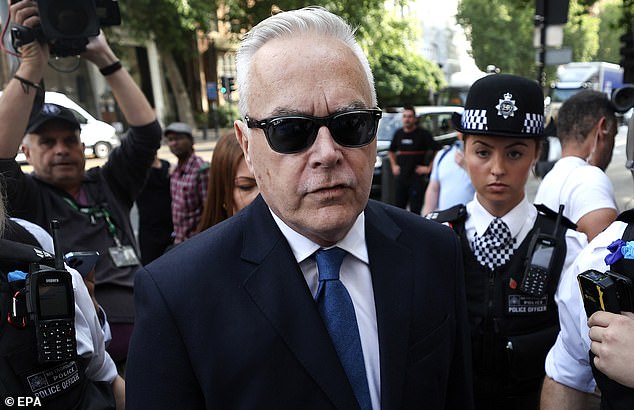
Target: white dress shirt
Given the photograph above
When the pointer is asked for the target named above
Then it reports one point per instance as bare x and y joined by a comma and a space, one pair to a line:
355, 275
568, 362
520, 221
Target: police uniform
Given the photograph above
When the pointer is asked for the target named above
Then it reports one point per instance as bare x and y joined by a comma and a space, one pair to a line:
83, 382
512, 324
568, 361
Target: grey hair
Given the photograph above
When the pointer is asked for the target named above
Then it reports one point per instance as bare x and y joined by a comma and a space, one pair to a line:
313, 20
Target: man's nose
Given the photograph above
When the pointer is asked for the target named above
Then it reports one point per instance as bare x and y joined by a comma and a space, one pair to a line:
325, 150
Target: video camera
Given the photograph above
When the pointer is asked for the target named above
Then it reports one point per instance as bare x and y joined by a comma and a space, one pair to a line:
66, 25
609, 292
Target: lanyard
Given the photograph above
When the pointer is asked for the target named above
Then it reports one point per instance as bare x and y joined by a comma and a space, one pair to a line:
98, 211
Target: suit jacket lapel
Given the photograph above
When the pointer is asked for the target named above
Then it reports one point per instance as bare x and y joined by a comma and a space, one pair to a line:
278, 287
391, 266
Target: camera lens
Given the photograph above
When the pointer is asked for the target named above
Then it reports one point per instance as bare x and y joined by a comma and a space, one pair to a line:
69, 21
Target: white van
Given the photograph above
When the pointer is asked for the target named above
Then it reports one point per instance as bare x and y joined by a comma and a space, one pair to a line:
98, 137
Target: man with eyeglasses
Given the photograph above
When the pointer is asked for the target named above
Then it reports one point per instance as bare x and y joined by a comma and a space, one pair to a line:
312, 297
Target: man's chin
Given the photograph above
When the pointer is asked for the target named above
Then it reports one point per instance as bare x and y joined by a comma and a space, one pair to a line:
65, 179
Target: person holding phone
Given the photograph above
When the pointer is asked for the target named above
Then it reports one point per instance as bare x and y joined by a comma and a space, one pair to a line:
513, 253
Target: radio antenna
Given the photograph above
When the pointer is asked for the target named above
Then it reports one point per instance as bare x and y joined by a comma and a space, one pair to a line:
59, 260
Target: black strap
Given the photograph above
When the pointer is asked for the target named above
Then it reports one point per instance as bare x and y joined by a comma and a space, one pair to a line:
456, 213
553, 215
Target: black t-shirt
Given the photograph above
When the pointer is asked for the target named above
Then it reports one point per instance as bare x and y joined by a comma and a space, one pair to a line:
413, 148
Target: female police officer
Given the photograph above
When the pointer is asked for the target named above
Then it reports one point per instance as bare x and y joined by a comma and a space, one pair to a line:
513, 252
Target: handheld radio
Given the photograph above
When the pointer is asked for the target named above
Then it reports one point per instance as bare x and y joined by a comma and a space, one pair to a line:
541, 251
51, 307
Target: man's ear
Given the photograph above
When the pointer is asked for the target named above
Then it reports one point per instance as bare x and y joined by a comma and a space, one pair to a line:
242, 135
602, 126
24, 146
25, 149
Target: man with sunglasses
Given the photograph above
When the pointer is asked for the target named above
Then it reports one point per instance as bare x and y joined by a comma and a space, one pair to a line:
312, 297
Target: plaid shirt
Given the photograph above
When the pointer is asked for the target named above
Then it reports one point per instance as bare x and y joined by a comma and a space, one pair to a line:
188, 185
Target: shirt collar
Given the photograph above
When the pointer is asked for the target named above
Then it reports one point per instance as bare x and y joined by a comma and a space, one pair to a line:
303, 248
188, 165
514, 219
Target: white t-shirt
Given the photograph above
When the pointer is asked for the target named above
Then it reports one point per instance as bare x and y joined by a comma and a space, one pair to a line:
581, 187
455, 184
568, 360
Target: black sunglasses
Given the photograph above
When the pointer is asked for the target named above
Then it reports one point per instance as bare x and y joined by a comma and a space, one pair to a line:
289, 134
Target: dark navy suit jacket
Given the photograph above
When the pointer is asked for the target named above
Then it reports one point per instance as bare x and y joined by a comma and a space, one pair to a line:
226, 321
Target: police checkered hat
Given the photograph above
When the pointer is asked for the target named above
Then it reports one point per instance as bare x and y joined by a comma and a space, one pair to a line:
503, 105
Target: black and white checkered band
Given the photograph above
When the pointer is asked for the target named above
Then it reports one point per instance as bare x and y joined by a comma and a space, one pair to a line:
533, 124
474, 120
494, 248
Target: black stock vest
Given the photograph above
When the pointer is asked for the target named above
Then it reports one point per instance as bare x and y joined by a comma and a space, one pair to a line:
615, 396
22, 378
511, 331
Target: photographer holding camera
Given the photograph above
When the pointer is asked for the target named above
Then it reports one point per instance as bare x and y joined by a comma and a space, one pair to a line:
92, 206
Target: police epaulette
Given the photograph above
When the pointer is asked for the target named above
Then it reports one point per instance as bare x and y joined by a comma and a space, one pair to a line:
553, 215
626, 216
453, 214
18, 253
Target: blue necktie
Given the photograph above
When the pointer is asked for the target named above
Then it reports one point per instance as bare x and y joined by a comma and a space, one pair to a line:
337, 311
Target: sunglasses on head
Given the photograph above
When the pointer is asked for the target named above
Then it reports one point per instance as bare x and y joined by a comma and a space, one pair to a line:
289, 134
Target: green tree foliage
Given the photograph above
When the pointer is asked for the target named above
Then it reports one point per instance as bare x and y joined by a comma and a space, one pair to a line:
401, 75
501, 33
609, 32
581, 33
171, 23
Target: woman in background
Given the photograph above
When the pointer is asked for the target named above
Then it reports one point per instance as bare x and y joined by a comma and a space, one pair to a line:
231, 185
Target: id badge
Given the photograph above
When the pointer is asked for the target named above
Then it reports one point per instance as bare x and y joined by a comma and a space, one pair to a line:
123, 256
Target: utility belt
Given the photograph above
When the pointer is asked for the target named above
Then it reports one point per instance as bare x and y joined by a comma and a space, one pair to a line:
511, 365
